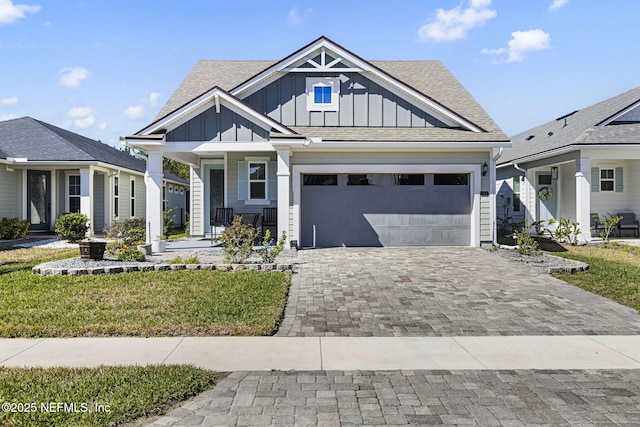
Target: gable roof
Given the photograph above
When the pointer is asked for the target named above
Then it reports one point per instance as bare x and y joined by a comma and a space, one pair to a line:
428, 79
35, 140
588, 126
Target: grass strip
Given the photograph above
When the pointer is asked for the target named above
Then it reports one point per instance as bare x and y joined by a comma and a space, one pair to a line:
103, 396
614, 274
164, 303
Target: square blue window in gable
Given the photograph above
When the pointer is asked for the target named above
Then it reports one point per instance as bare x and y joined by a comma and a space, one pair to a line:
322, 95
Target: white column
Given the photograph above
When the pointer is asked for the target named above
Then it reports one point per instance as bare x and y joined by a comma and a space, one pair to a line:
86, 196
153, 181
284, 175
583, 197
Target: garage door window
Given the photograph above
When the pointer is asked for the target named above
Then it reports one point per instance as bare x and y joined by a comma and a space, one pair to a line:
451, 179
316, 179
409, 179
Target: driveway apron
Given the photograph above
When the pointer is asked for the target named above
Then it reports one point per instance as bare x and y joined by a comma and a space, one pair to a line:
439, 291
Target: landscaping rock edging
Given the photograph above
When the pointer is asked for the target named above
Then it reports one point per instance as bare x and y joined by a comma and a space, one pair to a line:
47, 270
544, 263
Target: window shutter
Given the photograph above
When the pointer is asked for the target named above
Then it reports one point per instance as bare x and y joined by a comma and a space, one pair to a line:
272, 179
243, 180
619, 183
595, 180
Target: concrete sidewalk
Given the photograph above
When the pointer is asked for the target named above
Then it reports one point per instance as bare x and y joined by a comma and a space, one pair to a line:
331, 353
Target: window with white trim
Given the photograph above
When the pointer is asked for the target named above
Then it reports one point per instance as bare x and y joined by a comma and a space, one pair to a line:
74, 193
133, 197
164, 198
607, 180
116, 197
516, 194
323, 94
258, 180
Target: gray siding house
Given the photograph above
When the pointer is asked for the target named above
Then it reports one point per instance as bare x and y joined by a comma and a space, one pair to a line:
351, 152
47, 171
581, 163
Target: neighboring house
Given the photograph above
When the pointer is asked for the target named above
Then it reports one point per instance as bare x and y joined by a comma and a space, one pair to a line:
351, 152
584, 162
47, 171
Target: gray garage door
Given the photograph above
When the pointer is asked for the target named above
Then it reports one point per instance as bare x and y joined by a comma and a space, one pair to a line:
385, 210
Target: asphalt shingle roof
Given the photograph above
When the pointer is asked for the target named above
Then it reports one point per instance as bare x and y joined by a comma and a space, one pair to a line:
429, 77
578, 128
35, 140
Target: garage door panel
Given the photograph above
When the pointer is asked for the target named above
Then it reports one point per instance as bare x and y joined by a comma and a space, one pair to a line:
386, 214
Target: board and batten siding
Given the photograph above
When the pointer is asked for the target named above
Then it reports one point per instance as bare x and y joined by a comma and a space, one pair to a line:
223, 126
10, 193
363, 103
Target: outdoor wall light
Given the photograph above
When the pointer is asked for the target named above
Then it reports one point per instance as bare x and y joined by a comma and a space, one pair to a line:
554, 172
485, 169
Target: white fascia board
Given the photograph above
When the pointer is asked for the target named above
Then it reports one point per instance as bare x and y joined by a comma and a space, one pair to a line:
405, 145
272, 73
567, 149
228, 147
214, 97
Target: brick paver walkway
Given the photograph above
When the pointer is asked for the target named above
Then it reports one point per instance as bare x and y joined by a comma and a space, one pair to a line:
439, 292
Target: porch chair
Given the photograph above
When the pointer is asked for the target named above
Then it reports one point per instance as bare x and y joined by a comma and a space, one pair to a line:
628, 222
595, 225
269, 219
222, 218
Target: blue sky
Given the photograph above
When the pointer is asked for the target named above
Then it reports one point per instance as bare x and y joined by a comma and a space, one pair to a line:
104, 68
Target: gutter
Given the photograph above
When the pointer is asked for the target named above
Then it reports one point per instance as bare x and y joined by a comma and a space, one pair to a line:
495, 223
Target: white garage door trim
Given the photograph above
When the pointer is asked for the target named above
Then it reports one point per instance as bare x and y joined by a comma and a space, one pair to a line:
472, 169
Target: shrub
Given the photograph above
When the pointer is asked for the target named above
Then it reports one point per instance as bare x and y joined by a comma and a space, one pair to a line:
190, 260
72, 226
13, 228
237, 240
567, 232
609, 222
131, 254
268, 251
527, 245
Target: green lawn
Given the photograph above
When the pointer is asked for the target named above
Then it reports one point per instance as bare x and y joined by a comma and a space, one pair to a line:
613, 273
102, 396
167, 303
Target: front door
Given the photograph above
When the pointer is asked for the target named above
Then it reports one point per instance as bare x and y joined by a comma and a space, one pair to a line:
546, 197
39, 199
216, 190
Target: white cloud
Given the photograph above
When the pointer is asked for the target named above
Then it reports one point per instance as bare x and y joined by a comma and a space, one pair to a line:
81, 117
79, 112
135, 112
72, 76
454, 24
139, 110
10, 12
520, 43
85, 122
9, 101
4, 117
102, 126
294, 17
153, 98
557, 4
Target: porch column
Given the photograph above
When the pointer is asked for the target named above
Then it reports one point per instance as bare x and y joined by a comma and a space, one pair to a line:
86, 196
583, 197
283, 194
153, 181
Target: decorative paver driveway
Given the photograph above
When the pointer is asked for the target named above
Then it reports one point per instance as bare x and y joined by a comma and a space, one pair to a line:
438, 291
403, 398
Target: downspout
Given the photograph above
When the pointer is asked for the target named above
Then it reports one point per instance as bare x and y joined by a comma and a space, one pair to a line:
495, 223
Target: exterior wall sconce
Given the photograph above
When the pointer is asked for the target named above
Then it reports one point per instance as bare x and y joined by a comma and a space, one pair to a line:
554, 172
485, 169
